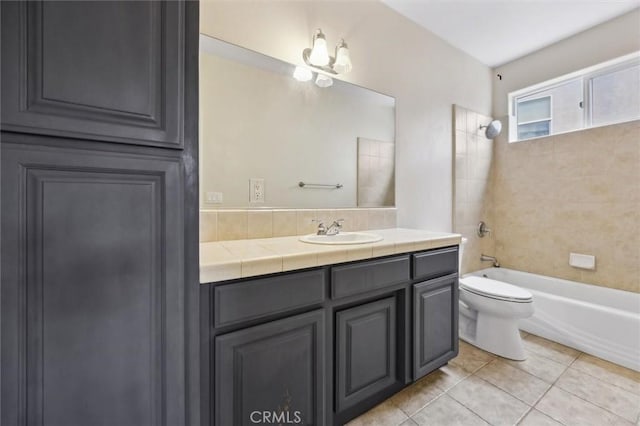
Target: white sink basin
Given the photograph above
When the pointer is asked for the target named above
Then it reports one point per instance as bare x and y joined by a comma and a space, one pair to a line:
341, 238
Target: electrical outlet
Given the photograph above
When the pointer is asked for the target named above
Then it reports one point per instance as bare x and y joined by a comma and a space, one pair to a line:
213, 197
256, 190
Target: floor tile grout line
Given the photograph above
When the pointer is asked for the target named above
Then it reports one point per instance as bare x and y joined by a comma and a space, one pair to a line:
549, 389
502, 390
515, 396
523, 416
592, 402
427, 404
602, 380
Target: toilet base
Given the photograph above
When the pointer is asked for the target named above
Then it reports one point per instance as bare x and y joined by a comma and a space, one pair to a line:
493, 334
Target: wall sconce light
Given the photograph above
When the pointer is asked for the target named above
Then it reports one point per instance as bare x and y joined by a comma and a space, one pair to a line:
318, 56
323, 80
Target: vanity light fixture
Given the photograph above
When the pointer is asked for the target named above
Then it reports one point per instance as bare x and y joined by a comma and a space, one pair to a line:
323, 80
318, 56
302, 74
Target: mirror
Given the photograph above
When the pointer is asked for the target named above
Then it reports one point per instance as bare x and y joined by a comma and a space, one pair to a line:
262, 133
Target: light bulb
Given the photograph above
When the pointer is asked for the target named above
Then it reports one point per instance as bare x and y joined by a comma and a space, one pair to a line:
319, 54
302, 74
323, 80
343, 62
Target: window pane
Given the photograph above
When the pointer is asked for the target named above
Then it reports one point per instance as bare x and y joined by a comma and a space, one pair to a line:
533, 130
616, 96
534, 109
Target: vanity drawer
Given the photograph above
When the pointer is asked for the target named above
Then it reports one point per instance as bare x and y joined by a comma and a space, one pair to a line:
367, 276
435, 263
254, 299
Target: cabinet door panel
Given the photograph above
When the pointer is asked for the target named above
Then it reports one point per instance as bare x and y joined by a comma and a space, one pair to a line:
275, 369
435, 337
366, 351
92, 289
103, 70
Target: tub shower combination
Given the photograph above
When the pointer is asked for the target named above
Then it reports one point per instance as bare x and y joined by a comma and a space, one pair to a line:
600, 321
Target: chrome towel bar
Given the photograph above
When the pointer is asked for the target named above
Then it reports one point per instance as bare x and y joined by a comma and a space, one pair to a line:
320, 185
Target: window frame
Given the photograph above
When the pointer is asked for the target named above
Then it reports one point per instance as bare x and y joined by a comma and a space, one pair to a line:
586, 75
549, 118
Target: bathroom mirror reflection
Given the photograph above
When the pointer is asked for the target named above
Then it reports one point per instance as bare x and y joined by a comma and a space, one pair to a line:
262, 132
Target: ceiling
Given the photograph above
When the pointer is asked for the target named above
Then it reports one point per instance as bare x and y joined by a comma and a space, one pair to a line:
497, 32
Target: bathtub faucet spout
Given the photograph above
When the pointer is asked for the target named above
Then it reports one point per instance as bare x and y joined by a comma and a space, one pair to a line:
485, 258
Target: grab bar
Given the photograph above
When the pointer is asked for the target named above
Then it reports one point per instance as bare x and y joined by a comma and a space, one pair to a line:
320, 185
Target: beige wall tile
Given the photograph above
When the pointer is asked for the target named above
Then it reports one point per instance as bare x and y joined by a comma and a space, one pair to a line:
285, 223
208, 226
390, 218
259, 224
583, 190
305, 222
223, 225
232, 225
376, 219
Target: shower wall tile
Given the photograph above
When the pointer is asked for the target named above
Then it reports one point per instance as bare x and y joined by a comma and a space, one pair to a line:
575, 192
473, 199
223, 225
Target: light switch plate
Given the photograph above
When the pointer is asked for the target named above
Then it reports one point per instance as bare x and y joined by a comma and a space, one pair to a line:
213, 197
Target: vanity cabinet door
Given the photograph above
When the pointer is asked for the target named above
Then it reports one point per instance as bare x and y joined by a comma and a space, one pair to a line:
272, 373
99, 70
435, 328
366, 352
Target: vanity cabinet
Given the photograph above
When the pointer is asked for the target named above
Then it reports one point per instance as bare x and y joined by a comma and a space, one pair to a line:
367, 351
328, 343
435, 309
272, 373
435, 326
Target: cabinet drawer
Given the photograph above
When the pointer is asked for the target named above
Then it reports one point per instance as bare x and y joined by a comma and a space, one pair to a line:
435, 263
258, 298
366, 276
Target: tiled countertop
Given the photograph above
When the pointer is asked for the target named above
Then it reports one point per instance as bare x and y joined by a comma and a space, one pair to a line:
226, 260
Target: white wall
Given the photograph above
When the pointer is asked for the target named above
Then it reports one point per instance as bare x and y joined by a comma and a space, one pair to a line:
609, 40
391, 54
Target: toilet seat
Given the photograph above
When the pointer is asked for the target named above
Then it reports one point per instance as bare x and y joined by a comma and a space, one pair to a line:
495, 289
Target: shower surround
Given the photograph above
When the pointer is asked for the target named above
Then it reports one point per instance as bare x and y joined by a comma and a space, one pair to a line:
545, 198
575, 192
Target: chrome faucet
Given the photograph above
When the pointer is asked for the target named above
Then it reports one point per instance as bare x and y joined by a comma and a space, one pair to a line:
332, 229
335, 227
485, 258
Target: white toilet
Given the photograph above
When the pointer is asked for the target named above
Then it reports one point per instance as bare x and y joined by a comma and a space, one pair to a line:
489, 314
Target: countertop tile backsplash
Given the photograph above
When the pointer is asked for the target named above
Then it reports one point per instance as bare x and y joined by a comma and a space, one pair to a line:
223, 225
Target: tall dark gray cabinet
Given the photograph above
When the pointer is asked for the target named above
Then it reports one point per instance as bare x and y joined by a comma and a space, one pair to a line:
99, 279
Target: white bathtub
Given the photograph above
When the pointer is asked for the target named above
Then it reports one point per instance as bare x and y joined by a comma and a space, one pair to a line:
599, 321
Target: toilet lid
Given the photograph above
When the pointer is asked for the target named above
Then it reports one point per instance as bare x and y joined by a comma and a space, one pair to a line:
495, 289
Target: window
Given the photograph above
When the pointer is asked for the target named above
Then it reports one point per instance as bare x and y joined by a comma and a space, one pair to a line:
534, 117
600, 95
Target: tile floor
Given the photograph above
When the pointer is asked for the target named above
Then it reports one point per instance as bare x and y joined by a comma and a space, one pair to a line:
556, 385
